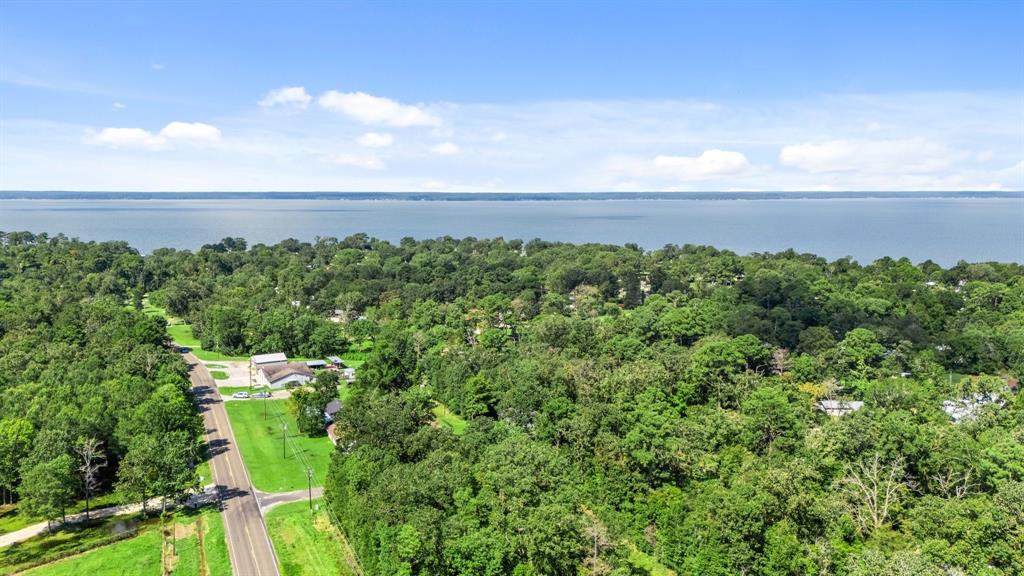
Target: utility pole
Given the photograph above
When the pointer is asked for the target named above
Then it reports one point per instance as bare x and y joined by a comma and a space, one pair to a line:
309, 486
284, 438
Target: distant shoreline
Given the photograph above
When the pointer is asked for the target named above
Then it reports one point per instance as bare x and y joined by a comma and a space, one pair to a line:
496, 196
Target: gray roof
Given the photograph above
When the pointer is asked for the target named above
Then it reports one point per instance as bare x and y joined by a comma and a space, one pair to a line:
315, 363
276, 372
273, 358
332, 407
334, 360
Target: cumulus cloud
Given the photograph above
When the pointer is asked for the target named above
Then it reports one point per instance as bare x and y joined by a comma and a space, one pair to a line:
292, 96
367, 162
127, 138
191, 131
378, 110
375, 140
139, 138
913, 155
445, 149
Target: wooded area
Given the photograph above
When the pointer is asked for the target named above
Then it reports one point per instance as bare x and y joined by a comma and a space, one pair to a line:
629, 412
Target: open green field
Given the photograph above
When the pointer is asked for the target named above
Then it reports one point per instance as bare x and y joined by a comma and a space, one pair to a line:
306, 543
11, 519
260, 441
101, 549
449, 419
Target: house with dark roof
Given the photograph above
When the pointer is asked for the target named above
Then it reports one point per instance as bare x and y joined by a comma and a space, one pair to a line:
331, 409
282, 375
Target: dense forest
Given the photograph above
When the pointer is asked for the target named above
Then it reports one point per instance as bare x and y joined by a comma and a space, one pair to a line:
91, 398
629, 411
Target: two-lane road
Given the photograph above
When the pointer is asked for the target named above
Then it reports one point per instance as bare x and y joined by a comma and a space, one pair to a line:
252, 553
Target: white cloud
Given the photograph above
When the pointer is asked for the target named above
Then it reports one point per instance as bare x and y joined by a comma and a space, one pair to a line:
712, 163
196, 131
118, 106
293, 96
556, 145
445, 149
375, 140
157, 66
365, 162
913, 155
370, 109
127, 138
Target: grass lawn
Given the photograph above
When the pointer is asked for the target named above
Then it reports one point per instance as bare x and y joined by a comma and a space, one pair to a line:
11, 520
260, 443
219, 375
182, 334
306, 543
215, 366
96, 551
449, 419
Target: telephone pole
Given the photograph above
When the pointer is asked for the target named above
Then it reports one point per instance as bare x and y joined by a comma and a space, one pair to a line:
309, 486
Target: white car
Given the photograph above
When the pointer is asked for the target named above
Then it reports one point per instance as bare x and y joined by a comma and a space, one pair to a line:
240, 395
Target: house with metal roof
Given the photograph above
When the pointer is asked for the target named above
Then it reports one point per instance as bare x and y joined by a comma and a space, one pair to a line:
268, 359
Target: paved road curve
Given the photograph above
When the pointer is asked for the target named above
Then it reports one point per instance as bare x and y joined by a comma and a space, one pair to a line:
251, 552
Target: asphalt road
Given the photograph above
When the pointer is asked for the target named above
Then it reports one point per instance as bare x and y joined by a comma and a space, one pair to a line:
249, 546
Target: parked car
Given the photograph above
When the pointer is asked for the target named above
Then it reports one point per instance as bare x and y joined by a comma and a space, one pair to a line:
261, 395
240, 395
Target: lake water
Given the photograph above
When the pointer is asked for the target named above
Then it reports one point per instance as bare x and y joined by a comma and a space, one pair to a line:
942, 229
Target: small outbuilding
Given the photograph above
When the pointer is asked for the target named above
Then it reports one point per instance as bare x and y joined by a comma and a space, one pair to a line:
316, 364
839, 407
259, 360
331, 409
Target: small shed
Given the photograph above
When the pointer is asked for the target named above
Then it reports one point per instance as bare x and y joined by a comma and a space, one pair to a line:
316, 364
268, 359
331, 409
839, 407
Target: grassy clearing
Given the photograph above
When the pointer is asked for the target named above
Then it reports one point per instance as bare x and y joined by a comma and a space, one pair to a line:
183, 336
306, 543
100, 549
219, 375
11, 519
260, 442
449, 419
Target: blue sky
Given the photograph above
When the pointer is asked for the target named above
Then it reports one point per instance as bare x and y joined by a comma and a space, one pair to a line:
512, 96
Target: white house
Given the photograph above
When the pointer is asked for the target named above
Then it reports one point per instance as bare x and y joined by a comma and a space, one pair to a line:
281, 375
839, 407
966, 408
